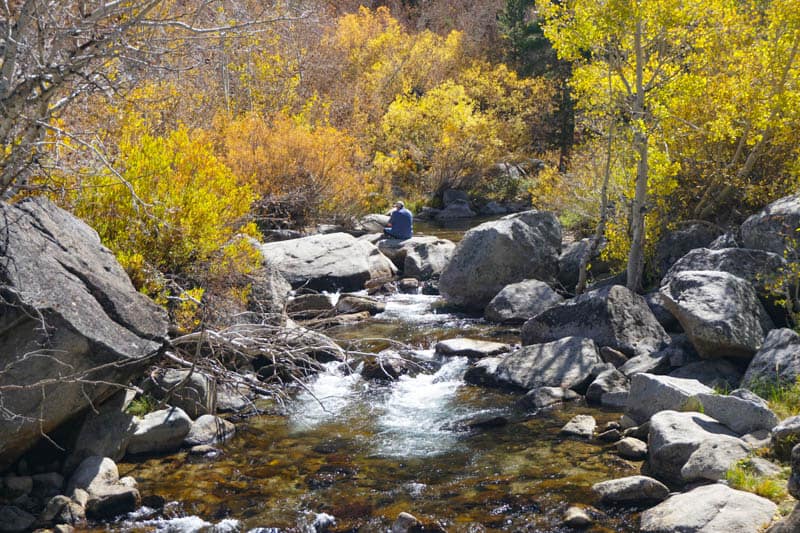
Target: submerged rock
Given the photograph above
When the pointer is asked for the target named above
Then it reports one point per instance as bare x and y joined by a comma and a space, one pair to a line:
582, 426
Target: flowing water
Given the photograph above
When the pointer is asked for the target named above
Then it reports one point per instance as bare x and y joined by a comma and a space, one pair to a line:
349, 454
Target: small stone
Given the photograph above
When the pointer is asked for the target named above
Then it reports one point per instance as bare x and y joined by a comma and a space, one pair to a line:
630, 448
577, 517
81, 497
63, 528
631, 489
209, 429
580, 426
405, 523
408, 285
112, 502
542, 397
204, 449
611, 435
615, 357
93, 474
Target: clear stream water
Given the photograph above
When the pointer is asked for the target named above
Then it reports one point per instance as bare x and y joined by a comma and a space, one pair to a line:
354, 453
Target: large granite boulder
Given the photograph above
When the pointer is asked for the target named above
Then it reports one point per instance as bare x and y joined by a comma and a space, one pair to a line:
719, 312
495, 254
758, 267
568, 363
521, 301
70, 319
675, 436
777, 362
774, 228
612, 316
569, 263
419, 257
332, 262
675, 244
710, 509
650, 394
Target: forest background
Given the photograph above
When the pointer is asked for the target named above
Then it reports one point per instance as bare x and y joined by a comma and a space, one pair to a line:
180, 128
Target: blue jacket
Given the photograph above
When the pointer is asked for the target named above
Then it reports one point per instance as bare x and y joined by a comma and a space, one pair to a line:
402, 223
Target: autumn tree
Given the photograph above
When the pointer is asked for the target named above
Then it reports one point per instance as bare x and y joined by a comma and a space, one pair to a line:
646, 46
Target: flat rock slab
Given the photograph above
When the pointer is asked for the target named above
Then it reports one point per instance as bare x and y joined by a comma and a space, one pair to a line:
566, 363
67, 309
632, 489
612, 316
330, 262
472, 348
710, 509
650, 394
542, 397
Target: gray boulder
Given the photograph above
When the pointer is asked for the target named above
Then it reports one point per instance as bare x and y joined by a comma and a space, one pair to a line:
719, 312
521, 301
69, 317
419, 257
495, 254
113, 501
794, 478
612, 316
709, 509
742, 411
774, 228
608, 381
160, 431
190, 390
714, 373
350, 303
632, 448
568, 363
712, 459
632, 489
209, 429
658, 363
451, 196
472, 348
757, 267
569, 263
456, 210
790, 524
330, 262
93, 474
785, 435
777, 362
269, 292
675, 244
492, 209
104, 433
650, 394
372, 223
674, 437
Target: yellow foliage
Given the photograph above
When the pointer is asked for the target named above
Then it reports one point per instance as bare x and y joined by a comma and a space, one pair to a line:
173, 212
315, 166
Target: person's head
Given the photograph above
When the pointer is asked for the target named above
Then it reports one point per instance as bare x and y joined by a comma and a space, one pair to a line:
398, 205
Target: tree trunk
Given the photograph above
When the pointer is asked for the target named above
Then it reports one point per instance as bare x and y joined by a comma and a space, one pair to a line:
636, 253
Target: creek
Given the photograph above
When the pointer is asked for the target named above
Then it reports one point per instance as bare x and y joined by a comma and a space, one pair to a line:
360, 452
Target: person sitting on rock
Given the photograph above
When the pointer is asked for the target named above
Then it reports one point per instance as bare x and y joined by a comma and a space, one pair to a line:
401, 223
